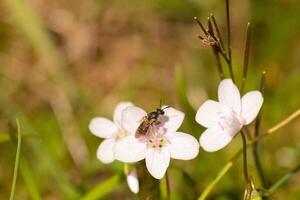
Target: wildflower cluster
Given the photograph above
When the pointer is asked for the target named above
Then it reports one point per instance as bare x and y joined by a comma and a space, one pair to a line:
162, 140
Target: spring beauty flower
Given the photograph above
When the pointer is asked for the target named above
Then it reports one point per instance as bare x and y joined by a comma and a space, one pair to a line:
111, 131
224, 119
132, 180
161, 142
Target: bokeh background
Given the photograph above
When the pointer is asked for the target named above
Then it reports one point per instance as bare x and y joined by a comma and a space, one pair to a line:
64, 62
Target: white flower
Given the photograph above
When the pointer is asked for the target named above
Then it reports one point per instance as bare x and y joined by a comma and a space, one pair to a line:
224, 119
161, 143
110, 131
133, 181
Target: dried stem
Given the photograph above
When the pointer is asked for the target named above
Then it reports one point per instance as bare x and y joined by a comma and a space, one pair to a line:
218, 32
279, 125
255, 150
246, 56
201, 26
229, 40
218, 61
215, 51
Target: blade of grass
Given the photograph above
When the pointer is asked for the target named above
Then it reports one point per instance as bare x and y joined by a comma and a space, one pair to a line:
103, 188
284, 179
29, 179
25, 170
219, 176
4, 137
51, 164
16, 167
54, 69
182, 94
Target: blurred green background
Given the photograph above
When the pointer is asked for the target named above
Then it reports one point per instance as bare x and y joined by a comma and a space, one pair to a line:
64, 62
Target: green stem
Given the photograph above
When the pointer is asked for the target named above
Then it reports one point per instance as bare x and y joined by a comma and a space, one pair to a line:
284, 179
13, 188
168, 186
255, 150
229, 40
258, 164
246, 176
246, 57
149, 186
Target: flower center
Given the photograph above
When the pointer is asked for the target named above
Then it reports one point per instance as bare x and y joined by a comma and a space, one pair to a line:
155, 137
121, 133
229, 121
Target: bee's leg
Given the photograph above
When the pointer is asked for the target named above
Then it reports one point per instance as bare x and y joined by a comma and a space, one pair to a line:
155, 123
143, 119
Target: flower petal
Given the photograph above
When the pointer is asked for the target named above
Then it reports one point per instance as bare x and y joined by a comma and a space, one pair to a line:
214, 139
119, 109
229, 95
102, 127
175, 119
130, 150
157, 162
133, 181
208, 114
251, 104
183, 146
105, 152
131, 118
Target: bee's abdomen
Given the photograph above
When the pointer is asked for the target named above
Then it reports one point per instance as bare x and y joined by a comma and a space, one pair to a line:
143, 127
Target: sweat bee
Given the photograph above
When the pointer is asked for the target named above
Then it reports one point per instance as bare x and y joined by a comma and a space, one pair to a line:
149, 120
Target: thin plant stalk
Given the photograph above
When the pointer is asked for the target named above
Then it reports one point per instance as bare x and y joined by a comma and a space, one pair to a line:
149, 186
168, 186
218, 31
255, 150
279, 125
229, 40
284, 179
16, 167
245, 164
215, 51
246, 57
201, 26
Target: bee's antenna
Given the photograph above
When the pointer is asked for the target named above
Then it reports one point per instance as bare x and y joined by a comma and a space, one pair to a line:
166, 107
160, 103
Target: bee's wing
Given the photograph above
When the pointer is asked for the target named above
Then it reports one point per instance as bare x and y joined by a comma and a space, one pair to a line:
173, 118
131, 118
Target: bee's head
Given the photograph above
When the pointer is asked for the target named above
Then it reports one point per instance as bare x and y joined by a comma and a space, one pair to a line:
153, 115
160, 111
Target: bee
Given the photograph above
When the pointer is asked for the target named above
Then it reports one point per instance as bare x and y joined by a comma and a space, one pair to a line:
149, 120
